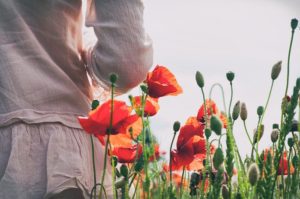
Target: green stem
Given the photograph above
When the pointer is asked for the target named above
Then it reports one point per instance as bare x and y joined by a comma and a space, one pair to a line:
181, 182
94, 167
205, 111
231, 96
222, 90
249, 138
107, 141
170, 164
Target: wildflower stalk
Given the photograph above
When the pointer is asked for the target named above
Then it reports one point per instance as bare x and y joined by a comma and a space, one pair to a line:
249, 138
94, 167
222, 91
181, 182
113, 80
170, 163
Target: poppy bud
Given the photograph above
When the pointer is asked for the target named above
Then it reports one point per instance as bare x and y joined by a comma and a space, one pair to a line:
207, 133
176, 126
230, 76
244, 112
275, 126
163, 176
260, 110
276, 70
236, 110
144, 88
113, 78
295, 161
95, 104
262, 128
139, 165
238, 195
124, 170
195, 179
216, 124
253, 174
294, 126
298, 83
274, 135
218, 158
225, 192
294, 24
291, 142
199, 79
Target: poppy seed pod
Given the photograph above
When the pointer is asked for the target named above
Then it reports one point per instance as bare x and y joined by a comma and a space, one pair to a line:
294, 126
275, 126
113, 78
199, 79
230, 76
260, 110
274, 135
253, 174
144, 88
216, 124
244, 112
236, 110
218, 158
294, 24
225, 192
95, 104
176, 126
276, 70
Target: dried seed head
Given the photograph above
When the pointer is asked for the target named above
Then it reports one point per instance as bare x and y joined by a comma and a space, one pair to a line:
236, 110
218, 158
199, 79
216, 124
244, 112
276, 70
230, 76
294, 24
274, 135
253, 174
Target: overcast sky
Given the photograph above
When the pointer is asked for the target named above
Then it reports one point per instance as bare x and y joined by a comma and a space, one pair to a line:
214, 37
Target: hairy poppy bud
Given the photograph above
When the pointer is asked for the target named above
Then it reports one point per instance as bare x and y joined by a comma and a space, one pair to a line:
253, 174
225, 192
244, 112
261, 129
199, 79
295, 161
176, 126
260, 110
113, 78
236, 110
274, 135
276, 70
291, 142
124, 170
218, 158
294, 24
216, 124
95, 104
207, 133
230, 76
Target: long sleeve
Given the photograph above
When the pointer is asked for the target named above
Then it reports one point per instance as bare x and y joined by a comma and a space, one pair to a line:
123, 47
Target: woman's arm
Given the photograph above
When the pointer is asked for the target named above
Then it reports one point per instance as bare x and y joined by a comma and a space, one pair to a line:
123, 47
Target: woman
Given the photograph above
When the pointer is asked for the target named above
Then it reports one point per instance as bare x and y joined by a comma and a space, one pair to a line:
44, 87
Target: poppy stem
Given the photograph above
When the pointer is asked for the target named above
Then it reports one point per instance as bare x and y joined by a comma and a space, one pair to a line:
181, 182
107, 142
94, 166
170, 164
222, 91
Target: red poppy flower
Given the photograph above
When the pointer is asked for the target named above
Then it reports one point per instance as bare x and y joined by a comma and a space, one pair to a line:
98, 122
283, 166
151, 105
211, 109
127, 154
162, 82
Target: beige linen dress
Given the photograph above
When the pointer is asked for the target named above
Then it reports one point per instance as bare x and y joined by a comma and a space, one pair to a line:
44, 86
